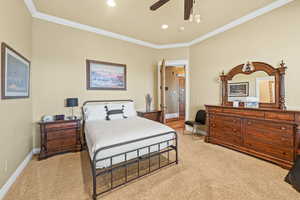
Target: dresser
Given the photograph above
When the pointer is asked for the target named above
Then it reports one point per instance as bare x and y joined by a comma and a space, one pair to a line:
59, 137
269, 134
152, 115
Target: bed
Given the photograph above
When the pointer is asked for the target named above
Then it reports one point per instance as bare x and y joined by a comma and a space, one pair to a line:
116, 137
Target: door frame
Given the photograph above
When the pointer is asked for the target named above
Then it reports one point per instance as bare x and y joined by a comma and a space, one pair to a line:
176, 63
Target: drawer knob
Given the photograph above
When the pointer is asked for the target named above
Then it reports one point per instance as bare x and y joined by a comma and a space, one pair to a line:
234, 130
213, 125
249, 123
283, 128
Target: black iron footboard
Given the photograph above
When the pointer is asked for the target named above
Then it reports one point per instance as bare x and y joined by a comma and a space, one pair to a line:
172, 145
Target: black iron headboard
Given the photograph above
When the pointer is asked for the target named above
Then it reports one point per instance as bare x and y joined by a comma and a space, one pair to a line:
106, 101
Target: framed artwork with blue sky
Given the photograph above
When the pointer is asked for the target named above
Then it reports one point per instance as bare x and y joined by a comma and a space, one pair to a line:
15, 74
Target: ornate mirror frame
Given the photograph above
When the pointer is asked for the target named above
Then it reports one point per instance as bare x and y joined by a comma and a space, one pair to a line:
278, 73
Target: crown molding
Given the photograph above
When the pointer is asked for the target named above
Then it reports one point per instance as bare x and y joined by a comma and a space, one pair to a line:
242, 20
57, 20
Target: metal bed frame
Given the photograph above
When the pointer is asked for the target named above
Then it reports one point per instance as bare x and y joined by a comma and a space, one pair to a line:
127, 163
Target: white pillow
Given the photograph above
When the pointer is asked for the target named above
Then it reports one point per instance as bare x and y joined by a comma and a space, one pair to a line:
115, 107
129, 110
95, 112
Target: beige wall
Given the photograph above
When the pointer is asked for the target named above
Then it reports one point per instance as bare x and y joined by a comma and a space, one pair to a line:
15, 115
268, 38
59, 69
173, 54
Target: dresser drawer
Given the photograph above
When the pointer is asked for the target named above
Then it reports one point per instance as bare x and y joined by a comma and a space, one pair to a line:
280, 116
275, 151
284, 129
225, 119
60, 144
60, 126
226, 129
60, 134
226, 137
252, 113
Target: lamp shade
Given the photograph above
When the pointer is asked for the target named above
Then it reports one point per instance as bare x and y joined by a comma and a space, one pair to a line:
71, 102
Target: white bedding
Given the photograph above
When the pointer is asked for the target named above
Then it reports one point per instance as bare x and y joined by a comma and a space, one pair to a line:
102, 133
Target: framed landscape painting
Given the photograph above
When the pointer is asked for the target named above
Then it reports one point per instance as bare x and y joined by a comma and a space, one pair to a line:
15, 74
105, 76
240, 89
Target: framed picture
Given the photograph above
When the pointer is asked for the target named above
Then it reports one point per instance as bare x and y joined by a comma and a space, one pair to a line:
105, 75
15, 74
240, 89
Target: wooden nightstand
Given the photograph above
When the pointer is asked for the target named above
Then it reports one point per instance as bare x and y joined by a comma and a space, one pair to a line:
152, 115
59, 137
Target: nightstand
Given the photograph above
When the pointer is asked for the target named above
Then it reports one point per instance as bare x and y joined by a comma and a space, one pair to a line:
59, 137
152, 115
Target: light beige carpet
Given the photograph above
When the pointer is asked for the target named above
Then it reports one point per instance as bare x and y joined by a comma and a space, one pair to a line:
205, 171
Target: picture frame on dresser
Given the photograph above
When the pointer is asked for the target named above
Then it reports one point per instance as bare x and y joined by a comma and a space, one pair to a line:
105, 75
15, 74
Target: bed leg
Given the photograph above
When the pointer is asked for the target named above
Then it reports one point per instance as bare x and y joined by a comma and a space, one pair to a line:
176, 148
94, 181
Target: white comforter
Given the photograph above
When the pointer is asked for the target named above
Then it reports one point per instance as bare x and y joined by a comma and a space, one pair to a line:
102, 133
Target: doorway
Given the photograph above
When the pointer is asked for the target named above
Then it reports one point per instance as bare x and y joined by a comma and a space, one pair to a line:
162, 92
175, 90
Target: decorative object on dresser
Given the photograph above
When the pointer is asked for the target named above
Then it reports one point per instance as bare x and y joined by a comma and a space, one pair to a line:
269, 132
154, 115
15, 74
72, 102
148, 102
105, 76
59, 137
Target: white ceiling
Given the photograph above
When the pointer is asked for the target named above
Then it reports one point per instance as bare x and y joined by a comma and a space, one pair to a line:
132, 18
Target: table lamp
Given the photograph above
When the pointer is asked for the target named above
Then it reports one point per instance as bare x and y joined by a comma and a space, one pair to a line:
72, 102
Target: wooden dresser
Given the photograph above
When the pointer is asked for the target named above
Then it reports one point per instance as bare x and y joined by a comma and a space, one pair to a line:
59, 137
269, 134
152, 115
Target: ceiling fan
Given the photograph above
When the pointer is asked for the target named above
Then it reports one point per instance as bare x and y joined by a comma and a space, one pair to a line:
188, 7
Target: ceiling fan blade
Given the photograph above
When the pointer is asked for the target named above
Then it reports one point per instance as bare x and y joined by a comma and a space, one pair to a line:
158, 4
188, 5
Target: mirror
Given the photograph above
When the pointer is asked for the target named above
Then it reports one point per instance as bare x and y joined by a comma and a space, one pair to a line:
254, 85
258, 86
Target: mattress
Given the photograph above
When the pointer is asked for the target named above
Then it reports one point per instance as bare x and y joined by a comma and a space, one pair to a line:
103, 133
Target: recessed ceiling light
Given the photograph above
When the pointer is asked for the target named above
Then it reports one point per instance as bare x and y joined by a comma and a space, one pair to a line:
181, 28
111, 3
164, 26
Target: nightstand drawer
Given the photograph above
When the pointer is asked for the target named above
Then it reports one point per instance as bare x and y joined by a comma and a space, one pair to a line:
60, 126
61, 143
60, 137
59, 134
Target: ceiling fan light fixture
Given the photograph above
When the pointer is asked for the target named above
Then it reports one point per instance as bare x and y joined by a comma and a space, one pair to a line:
111, 3
164, 26
191, 18
198, 18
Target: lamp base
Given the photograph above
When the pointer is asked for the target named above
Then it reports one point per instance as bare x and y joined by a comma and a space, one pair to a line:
72, 117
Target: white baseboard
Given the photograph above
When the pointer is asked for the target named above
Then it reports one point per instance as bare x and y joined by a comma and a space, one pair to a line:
36, 151
15, 175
